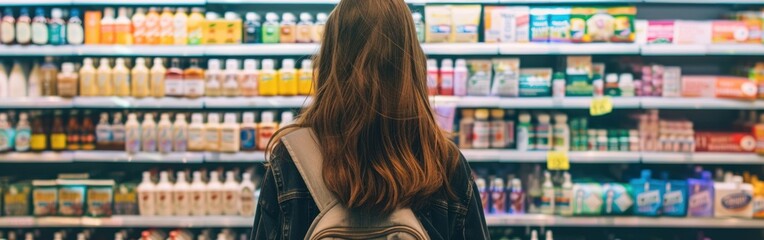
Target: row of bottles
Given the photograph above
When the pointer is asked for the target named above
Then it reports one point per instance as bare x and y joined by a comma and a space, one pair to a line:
32, 134
122, 234
158, 81
40, 30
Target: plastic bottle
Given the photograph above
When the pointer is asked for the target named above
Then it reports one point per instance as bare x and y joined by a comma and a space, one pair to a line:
139, 26
152, 26
156, 78
148, 133
534, 235
108, 29
140, 79
547, 195
252, 28
498, 128
305, 75
318, 28
56, 27
213, 87
564, 198
195, 26
74, 31
466, 128
118, 131
304, 28
231, 198
23, 133
287, 78
214, 195
271, 28
447, 77
287, 118
40, 27
432, 77
626, 84
166, 29
180, 26
7, 27
548, 235
230, 136
198, 195
517, 198
196, 133
561, 133
121, 78
24, 27
558, 86
265, 130
34, 85
88, 86
165, 204
231, 83
6, 133
212, 133
4, 91
104, 82
524, 129
288, 28
103, 132
147, 195
181, 195
39, 140
250, 78
269, 82
498, 197
48, 73
193, 78
180, 133
173, 81
123, 34
247, 131
543, 133
67, 80
164, 134
232, 29
17, 83
481, 130
419, 26
247, 196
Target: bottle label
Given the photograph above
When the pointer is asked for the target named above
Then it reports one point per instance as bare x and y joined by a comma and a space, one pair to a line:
133, 141
103, 135
139, 31
247, 138
212, 139
23, 32
56, 37
214, 203
249, 85
227, 137
140, 85
198, 203
700, 203
481, 135
173, 87
6, 139
39, 141
7, 32
182, 202
247, 202
103, 81
231, 202
149, 138
180, 139
671, 200
100, 201
157, 84
118, 134
164, 203
122, 83
58, 141
181, 31
147, 203
165, 139
165, 26
39, 33
195, 36
447, 80
647, 201
195, 139
497, 134
194, 87
264, 136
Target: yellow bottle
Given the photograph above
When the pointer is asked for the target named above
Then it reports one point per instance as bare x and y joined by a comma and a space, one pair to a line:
122, 28
140, 79
269, 82
166, 31
156, 78
195, 27
180, 27
88, 78
287, 78
305, 82
121, 77
104, 83
758, 197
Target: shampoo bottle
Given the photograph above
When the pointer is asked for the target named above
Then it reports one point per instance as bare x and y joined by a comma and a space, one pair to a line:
164, 134
196, 134
181, 194
123, 34
173, 80
561, 133
213, 87
193, 78
250, 79
498, 129
56, 27
195, 26
214, 195
466, 127
432, 77
147, 199
103, 132
23, 27
563, 199
75, 33
248, 132
287, 78
198, 199
304, 28
121, 78
447, 77
252, 28
17, 83
305, 82
152, 27
148, 133
517, 198
118, 132
498, 197
139, 26
269, 83
180, 133
482, 131
265, 130
247, 196
212, 133
108, 31
34, 86
288, 28
524, 129
23, 133
318, 28
7, 27
271, 28
460, 78
40, 27
49, 72
180, 27
140, 75
132, 134
164, 191
231, 198
231, 84
4, 91
547, 195
104, 82
229, 134
166, 29
6, 134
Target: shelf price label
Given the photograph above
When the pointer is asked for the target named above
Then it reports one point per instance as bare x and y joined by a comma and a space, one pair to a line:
557, 161
601, 106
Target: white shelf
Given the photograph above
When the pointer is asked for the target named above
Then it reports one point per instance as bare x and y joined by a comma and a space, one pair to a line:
36, 103
295, 49
34, 3
121, 156
568, 48
257, 102
531, 103
273, 1
34, 50
514, 156
698, 103
142, 103
627, 222
258, 156
603, 157
674, 50
139, 2
736, 49
460, 48
128, 221
707, 1
140, 50
701, 158
32, 157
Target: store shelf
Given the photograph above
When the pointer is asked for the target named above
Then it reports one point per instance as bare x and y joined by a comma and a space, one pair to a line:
140, 50
32, 157
127, 221
460, 48
121, 156
35, 2
736, 49
337, 1
625, 222
674, 49
139, 2
257, 156
142, 103
34, 50
699, 103
569, 48
514, 156
36, 103
701, 158
296, 49
257, 102
530, 103
707, 1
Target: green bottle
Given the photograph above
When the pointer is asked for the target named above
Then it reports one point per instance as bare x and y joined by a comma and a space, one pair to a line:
271, 28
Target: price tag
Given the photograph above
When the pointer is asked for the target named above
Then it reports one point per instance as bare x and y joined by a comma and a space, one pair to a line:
601, 106
557, 161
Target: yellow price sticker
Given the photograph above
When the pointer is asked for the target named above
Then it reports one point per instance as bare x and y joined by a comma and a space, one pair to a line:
601, 106
557, 161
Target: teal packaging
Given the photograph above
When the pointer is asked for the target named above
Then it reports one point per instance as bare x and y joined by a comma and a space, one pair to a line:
587, 199
535, 82
539, 24
559, 24
648, 194
675, 197
617, 199
71, 197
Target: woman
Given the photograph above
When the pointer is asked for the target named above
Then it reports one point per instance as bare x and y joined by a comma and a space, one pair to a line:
382, 149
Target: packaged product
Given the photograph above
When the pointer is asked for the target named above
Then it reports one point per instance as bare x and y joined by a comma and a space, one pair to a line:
99, 198
535, 82
578, 23
623, 23
701, 200
559, 24
692, 32
506, 81
506, 24
600, 25
660, 31
466, 22
479, 83
648, 194
444, 116
578, 76
71, 197
232, 28
93, 27
587, 199
640, 26
758, 198
675, 199
539, 24
17, 199
672, 81
735, 87
126, 199
44, 197
724, 142
698, 86
752, 20
756, 74
617, 199
733, 199
439, 23
726, 31
211, 29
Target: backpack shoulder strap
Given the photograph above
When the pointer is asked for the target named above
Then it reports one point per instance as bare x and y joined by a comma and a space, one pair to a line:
306, 155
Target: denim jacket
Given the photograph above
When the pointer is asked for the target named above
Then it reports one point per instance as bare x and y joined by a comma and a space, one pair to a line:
286, 209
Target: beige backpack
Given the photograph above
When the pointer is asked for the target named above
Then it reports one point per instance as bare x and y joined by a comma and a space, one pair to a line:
335, 221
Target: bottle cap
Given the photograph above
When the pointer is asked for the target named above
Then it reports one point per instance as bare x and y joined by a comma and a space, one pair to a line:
417, 16
148, 117
56, 13
132, 116
165, 116
267, 117
250, 64
87, 62
197, 9
252, 17
447, 63
322, 17
213, 64
560, 118
287, 64
197, 118
461, 63
181, 177
230, 118
268, 64
432, 64
246, 177
497, 114
271, 17
158, 62
231, 16
230, 175
287, 117
140, 62
180, 10
122, 12
213, 118
287, 17
232, 64
543, 118
646, 174
104, 62
166, 9
611, 77
180, 117
627, 77
306, 17
120, 62
481, 114
248, 117
39, 12
308, 64
524, 117
67, 67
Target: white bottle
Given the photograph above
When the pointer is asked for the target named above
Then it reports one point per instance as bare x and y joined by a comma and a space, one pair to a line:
148, 133
23, 133
247, 196
103, 130
547, 195
118, 129
213, 86
34, 88
3, 82
523, 132
17, 83
230, 137
231, 199
432, 76
214, 195
181, 195
132, 134
164, 189
231, 83
461, 74
626, 84
548, 235
287, 118
164, 134
250, 78
147, 191
534, 235
561, 134
566, 193
212, 133
180, 133
198, 198
6, 133
196, 135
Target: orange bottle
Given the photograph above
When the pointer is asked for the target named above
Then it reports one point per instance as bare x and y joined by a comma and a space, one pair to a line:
151, 25
107, 27
166, 30
92, 27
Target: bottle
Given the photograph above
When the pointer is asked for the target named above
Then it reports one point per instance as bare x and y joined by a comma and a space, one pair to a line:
611, 85
432, 77
57, 27
174, 85
534, 235
17, 83
231, 198
7, 27
271, 28
103, 132
104, 82
701, 196
543, 133
524, 127
4, 91
181, 195
247, 196
6, 133
498, 203
57, 134
626, 84
139, 26
547, 195
318, 28
88, 85
214, 195
561, 133
248, 132
305, 82
304, 28
269, 83
180, 26
466, 128
74, 31
447, 78
123, 34
198, 190
214, 79
166, 29
288, 28
517, 198
250, 78
287, 78
481, 130
195, 26
498, 128
287, 118
117, 132
180, 133
49, 74
67, 81
212, 133
108, 28
34, 86
140, 86
164, 134
147, 194
24, 27
232, 28
73, 132
265, 130
563, 199
156, 78
165, 204
230, 140
419, 26
558, 86
87, 133
193, 80
548, 235
252, 28
121, 78
151, 25
40, 27
148, 133
23, 133
196, 134
231, 83
598, 85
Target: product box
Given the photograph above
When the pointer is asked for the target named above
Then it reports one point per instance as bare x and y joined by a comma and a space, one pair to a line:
506, 81
559, 24
623, 21
640, 27
725, 31
71, 197
578, 76
758, 199
480, 75
733, 200
506, 24
579, 17
701, 200
100, 194
587, 199
736, 87
724, 142
660, 31
44, 198
17, 199
618, 199
672, 82
439, 23
126, 199
692, 32
539, 24
698, 86
600, 26
92, 29
675, 199
753, 21
535, 82
466, 22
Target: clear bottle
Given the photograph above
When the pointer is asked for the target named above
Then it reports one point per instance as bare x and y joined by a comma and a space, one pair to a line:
40, 27
23, 133
271, 28
212, 133
196, 133
447, 77
104, 82
24, 27
498, 128
152, 27
157, 76
265, 130
121, 78
231, 83
164, 134
7, 27
247, 196
269, 82
180, 133
67, 80
166, 29
139, 26
75, 33
304, 28
148, 133
287, 78
140, 79
34, 88
17, 82
108, 30
123, 34
524, 129
318, 28
88, 85
118, 132
252, 28
419, 26
103, 132
305, 75
164, 194
482, 130
213, 87
214, 195
147, 196
193, 78
198, 195
561, 133
231, 198
180, 26
230, 136
250, 78
174, 85
195, 26
288, 28
56, 27
48, 72
181, 194
132, 134
544, 135
248, 132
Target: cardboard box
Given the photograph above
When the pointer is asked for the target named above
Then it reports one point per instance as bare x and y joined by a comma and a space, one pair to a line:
724, 142
724, 31
660, 32
698, 86
735, 87
692, 32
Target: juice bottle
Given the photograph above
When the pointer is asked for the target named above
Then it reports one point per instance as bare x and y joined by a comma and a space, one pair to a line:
180, 26
40, 27
460, 77
166, 30
305, 84
23, 133
34, 88
104, 83
118, 132
318, 28
23, 27
73, 132
173, 81
304, 28
75, 34
231, 83
265, 130
139, 26
67, 80
56, 27
39, 139
211, 29
57, 133
93, 27
7, 27
249, 79
122, 28
87, 133
121, 78
288, 28
233, 28
269, 81
148, 133
195, 26
447, 77
180, 133
287, 78
432, 77
108, 35
196, 133
212, 133
193, 78
88, 86
156, 78
271, 28
140, 79
252, 28
229, 134
49, 73
152, 27
214, 79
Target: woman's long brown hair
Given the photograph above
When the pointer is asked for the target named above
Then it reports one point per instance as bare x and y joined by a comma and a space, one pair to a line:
381, 146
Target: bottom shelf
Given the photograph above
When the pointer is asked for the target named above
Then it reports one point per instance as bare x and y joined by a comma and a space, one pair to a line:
129, 221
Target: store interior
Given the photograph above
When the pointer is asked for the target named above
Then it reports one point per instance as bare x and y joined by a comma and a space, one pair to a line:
581, 119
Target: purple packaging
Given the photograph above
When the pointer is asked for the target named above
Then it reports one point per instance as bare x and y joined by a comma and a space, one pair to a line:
498, 197
701, 192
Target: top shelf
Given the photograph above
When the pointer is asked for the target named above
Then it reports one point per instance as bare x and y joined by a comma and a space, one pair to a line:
203, 2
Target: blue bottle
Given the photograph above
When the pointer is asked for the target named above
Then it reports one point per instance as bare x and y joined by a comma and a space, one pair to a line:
648, 194
56, 27
701, 196
675, 197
